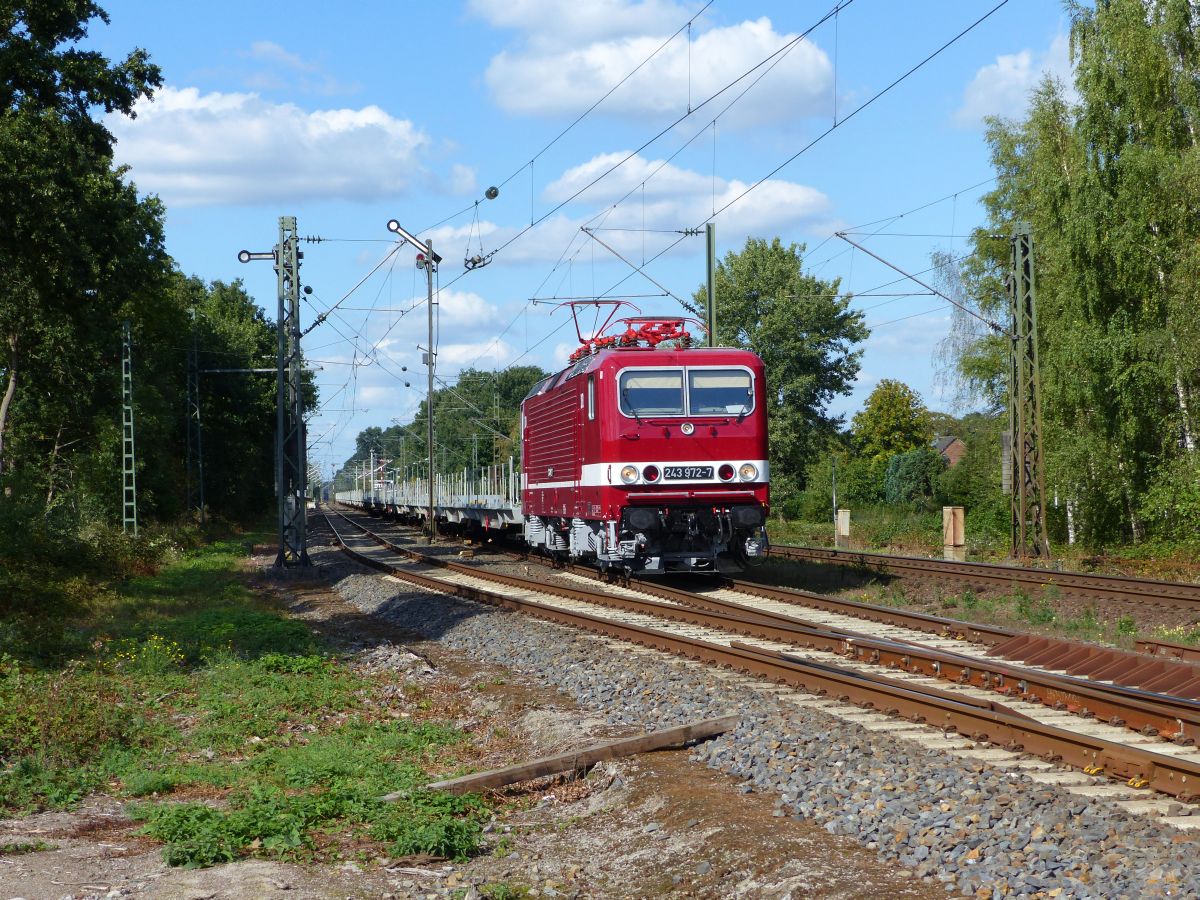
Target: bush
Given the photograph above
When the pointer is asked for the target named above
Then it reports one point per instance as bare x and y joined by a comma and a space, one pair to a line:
911, 477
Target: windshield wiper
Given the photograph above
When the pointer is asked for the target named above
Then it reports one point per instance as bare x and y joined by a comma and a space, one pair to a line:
629, 403
745, 411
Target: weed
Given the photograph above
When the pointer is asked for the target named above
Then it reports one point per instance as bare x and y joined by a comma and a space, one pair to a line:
152, 655
14, 849
311, 664
1087, 622
142, 784
1180, 634
1038, 612
504, 890
1127, 624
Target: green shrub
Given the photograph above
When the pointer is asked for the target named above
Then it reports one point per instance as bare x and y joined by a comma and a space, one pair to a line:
144, 783
911, 477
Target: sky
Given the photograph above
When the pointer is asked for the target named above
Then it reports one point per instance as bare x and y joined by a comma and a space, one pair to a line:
349, 116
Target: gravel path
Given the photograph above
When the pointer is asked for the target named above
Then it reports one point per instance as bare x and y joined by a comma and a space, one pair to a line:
980, 831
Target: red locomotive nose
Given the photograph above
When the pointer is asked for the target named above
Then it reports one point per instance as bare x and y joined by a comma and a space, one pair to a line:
725, 472
650, 473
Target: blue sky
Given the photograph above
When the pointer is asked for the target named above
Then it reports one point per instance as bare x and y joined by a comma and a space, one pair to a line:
347, 117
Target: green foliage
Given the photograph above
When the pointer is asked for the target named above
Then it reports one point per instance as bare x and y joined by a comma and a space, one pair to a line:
81, 254
476, 418
334, 782
185, 678
1035, 612
1171, 505
1102, 183
805, 333
504, 890
231, 331
893, 420
861, 480
1127, 625
912, 477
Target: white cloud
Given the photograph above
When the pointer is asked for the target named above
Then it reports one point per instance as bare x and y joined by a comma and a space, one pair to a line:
481, 354
464, 310
1003, 88
562, 354
675, 198
462, 179
542, 78
198, 149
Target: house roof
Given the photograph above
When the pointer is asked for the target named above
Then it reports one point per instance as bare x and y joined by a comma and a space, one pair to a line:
942, 442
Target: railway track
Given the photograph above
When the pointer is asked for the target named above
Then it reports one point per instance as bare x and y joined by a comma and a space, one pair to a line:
1179, 595
851, 667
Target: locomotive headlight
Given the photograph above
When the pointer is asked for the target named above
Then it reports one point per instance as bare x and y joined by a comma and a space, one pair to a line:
650, 473
725, 473
748, 471
629, 474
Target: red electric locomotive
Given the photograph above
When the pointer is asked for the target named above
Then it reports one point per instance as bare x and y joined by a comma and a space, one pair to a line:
648, 454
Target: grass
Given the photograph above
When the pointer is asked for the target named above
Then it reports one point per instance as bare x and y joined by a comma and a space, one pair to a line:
1022, 608
883, 528
1180, 634
236, 729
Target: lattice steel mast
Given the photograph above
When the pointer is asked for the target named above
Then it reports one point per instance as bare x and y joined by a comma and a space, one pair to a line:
128, 457
1028, 494
291, 467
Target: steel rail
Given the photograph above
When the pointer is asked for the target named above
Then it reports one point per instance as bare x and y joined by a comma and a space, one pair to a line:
983, 722
1173, 675
1109, 587
1171, 717
1169, 650
990, 635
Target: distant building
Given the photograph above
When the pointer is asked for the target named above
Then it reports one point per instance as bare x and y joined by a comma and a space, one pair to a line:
950, 448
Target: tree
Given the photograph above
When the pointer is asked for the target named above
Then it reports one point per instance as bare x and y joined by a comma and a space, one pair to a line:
805, 333
892, 421
475, 421
1110, 187
237, 409
79, 251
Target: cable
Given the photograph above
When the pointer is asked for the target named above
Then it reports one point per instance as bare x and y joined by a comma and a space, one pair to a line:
862, 106
779, 55
842, 4
685, 27
346, 296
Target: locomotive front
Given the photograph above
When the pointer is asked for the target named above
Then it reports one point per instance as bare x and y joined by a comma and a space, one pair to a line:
649, 460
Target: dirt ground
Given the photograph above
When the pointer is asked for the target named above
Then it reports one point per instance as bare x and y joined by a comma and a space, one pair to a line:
656, 825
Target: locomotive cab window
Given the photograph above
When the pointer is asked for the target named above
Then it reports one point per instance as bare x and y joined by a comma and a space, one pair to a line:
719, 392
657, 392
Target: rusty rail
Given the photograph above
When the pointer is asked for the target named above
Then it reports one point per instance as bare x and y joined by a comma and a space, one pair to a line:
1083, 584
984, 722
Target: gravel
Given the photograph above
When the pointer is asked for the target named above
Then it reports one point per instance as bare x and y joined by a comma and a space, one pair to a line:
980, 831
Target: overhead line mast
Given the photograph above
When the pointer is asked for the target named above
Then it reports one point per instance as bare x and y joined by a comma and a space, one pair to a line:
291, 468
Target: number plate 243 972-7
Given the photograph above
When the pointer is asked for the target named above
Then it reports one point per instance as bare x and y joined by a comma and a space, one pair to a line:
684, 472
